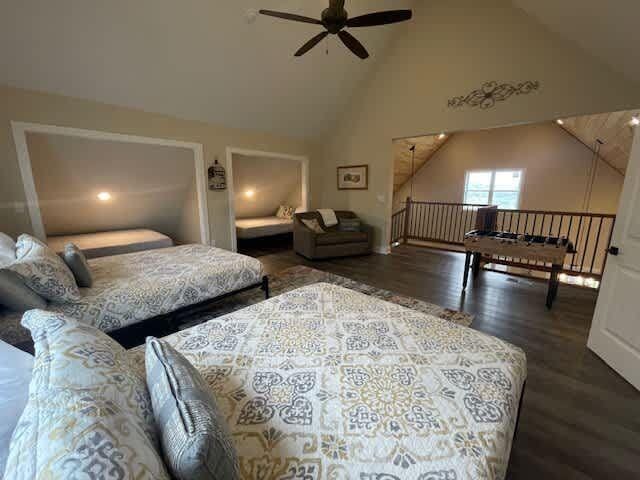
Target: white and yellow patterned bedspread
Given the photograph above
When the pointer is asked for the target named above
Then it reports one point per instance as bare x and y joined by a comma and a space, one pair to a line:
327, 383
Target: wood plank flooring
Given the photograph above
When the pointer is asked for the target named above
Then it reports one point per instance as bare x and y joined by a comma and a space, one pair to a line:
579, 420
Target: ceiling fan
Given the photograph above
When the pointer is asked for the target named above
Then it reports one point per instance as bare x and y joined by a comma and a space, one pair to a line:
335, 19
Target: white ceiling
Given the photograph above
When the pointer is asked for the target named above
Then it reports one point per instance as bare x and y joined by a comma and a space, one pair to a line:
195, 59
608, 29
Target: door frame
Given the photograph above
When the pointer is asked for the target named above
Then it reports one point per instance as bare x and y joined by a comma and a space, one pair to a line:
20, 130
230, 152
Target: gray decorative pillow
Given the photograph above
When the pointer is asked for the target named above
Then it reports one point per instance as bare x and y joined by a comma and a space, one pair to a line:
77, 263
349, 225
43, 271
15, 295
194, 437
312, 225
88, 414
7, 250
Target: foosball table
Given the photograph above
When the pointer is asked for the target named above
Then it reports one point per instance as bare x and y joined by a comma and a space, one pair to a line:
482, 245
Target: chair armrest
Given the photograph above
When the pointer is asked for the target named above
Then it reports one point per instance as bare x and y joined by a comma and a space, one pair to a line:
304, 240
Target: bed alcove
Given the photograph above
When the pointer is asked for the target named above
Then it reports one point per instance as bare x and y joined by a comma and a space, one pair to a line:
265, 190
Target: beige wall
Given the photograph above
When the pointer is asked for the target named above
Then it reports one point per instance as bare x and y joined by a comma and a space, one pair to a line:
275, 182
29, 106
150, 185
450, 48
556, 169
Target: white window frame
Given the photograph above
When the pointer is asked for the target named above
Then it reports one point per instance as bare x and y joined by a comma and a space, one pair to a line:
492, 184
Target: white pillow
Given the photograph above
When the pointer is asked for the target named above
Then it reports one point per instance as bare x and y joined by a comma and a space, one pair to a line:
15, 375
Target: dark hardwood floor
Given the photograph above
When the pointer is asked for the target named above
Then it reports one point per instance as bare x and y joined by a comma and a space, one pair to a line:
579, 419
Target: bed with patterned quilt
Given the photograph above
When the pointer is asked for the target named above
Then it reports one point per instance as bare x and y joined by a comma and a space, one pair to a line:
323, 382
132, 288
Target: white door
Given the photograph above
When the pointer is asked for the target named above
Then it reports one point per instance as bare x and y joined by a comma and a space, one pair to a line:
615, 331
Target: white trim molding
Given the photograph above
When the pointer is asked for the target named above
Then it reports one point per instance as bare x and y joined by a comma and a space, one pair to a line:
20, 130
231, 151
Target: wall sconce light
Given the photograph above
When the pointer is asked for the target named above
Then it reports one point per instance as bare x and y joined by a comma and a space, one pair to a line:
442, 135
104, 196
560, 121
635, 121
249, 193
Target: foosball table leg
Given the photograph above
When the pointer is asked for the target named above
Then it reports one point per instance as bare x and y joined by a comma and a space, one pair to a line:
467, 264
476, 264
552, 291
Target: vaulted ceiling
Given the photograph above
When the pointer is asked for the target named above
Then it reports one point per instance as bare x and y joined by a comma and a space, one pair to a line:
614, 130
194, 59
607, 29
403, 169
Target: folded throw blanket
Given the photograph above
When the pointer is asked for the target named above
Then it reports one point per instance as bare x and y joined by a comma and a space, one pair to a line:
328, 217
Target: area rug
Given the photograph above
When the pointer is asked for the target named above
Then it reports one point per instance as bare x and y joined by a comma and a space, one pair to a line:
300, 276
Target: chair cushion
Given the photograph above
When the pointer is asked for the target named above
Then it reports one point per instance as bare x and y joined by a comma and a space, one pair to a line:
194, 436
349, 225
77, 263
336, 238
88, 414
43, 271
15, 295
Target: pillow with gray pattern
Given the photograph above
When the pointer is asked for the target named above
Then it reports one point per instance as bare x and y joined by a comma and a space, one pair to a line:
43, 271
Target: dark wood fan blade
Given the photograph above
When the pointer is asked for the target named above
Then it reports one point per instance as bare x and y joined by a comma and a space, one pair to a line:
353, 44
380, 18
311, 43
291, 16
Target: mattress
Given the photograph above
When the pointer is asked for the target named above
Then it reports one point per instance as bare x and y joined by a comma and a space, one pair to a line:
247, 228
325, 382
103, 244
130, 288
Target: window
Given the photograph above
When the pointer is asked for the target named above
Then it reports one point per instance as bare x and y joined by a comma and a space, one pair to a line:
493, 187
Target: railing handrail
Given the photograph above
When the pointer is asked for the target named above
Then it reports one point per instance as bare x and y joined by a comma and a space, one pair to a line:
514, 210
413, 202
556, 212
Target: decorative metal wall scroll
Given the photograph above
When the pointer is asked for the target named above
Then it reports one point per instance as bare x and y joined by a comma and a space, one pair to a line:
492, 92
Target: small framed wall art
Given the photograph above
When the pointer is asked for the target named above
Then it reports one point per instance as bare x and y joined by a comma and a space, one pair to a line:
353, 177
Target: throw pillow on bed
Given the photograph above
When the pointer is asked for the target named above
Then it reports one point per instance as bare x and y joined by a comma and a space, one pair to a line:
194, 436
285, 211
312, 225
88, 414
77, 263
43, 271
14, 294
7, 250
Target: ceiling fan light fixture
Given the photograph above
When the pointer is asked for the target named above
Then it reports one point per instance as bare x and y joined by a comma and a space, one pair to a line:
335, 20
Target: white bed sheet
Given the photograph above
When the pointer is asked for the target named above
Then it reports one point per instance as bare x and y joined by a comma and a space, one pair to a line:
118, 242
15, 375
262, 227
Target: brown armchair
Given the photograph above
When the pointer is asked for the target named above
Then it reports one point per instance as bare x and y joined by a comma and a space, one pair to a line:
334, 242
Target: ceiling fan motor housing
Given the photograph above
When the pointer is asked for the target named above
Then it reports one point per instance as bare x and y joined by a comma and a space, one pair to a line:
334, 21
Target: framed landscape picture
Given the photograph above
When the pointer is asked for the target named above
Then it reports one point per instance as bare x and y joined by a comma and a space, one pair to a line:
353, 177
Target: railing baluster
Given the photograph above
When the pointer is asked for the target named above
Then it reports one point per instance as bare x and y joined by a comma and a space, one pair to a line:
595, 248
586, 242
577, 244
